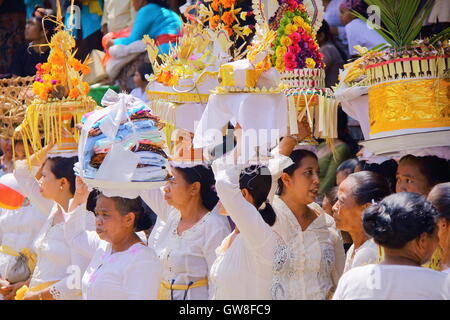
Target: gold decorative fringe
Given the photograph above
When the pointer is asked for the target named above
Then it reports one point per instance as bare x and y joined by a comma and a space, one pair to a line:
54, 116
407, 104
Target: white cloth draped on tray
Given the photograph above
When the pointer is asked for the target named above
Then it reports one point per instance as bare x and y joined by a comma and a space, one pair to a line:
263, 118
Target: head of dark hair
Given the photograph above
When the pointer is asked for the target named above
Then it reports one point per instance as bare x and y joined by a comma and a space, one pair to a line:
296, 156
440, 198
435, 169
63, 168
257, 180
325, 29
205, 176
387, 169
369, 186
348, 166
42, 19
332, 195
142, 213
143, 69
399, 218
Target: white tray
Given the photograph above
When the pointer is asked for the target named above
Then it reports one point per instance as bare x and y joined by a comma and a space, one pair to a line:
407, 142
101, 184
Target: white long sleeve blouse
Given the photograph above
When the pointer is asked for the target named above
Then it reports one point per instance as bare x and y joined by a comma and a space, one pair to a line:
244, 269
55, 260
133, 274
187, 257
315, 256
18, 229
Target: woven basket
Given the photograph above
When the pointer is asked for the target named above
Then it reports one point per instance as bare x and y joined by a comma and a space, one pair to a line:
12, 113
14, 97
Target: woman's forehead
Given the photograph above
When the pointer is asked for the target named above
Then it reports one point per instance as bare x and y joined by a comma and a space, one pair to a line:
308, 162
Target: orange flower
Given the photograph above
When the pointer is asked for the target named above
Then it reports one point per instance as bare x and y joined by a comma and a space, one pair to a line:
229, 30
227, 3
73, 93
86, 88
228, 18
46, 67
213, 21
56, 58
75, 82
85, 69
215, 5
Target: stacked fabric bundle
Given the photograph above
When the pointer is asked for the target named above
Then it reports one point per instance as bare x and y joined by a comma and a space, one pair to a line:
138, 131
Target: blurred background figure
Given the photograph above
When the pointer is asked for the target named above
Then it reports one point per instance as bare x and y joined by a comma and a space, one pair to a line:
38, 31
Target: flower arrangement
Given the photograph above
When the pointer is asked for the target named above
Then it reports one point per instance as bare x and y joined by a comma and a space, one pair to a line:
60, 77
223, 15
295, 46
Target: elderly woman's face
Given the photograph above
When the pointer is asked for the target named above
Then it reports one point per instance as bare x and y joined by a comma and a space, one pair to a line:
110, 224
346, 212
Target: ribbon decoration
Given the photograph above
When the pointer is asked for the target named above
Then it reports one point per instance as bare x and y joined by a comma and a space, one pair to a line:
116, 110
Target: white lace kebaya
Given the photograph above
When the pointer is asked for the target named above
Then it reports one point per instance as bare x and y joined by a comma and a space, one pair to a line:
313, 262
186, 258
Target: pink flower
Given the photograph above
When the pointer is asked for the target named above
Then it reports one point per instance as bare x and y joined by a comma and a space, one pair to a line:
292, 4
295, 37
291, 65
289, 57
295, 49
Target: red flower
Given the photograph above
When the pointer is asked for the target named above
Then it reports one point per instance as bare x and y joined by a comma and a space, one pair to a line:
295, 49
289, 57
295, 37
291, 65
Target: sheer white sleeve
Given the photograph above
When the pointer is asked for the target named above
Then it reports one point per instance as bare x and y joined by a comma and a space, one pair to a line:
154, 198
244, 214
28, 183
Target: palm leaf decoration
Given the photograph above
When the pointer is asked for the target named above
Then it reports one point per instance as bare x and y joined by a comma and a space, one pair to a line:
401, 20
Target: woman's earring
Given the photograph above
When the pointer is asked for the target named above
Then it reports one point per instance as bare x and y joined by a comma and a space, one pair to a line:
60, 188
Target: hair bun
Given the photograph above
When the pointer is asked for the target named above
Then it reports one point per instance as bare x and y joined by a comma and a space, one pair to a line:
377, 223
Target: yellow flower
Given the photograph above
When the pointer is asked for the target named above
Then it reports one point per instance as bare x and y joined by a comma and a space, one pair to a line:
299, 20
285, 41
290, 28
246, 31
310, 63
243, 15
280, 51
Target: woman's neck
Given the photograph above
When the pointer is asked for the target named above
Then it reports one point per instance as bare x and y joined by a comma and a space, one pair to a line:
299, 210
358, 237
125, 242
445, 258
63, 201
395, 257
193, 211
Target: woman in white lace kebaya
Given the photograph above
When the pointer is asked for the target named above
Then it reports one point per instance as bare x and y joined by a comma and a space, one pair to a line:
57, 268
244, 268
313, 261
122, 267
190, 233
358, 191
18, 229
